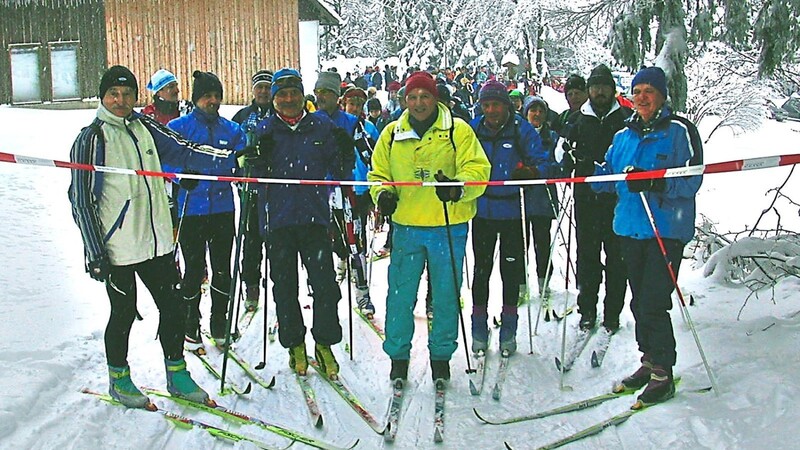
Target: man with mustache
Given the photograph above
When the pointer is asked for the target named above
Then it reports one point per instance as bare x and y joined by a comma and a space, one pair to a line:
588, 139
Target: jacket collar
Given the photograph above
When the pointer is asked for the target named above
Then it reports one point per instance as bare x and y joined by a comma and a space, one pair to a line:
106, 116
404, 131
586, 109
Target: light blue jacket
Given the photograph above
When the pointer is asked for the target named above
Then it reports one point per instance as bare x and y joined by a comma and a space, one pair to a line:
672, 142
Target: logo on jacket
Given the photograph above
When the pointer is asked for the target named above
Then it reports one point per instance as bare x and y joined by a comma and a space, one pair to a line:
422, 174
507, 145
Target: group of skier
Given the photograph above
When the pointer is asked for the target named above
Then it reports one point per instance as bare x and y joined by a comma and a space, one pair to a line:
127, 228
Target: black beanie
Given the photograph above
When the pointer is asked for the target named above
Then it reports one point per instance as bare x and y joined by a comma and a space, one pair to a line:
373, 104
575, 81
601, 75
204, 82
118, 76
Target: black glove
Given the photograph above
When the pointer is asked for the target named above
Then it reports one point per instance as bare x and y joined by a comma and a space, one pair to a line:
363, 204
346, 156
447, 193
523, 172
98, 269
387, 203
189, 183
654, 184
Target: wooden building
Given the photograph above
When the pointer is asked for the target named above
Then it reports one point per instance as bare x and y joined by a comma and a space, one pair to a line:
57, 50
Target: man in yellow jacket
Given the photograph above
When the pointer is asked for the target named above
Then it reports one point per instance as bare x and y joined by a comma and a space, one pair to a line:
426, 144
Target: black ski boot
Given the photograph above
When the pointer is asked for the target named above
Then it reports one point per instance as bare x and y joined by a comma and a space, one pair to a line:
440, 370
399, 369
638, 378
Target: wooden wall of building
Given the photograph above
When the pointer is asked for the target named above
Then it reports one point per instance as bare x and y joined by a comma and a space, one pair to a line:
46, 21
233, 39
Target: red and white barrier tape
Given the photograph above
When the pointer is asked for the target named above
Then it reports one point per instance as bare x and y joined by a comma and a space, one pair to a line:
720, 167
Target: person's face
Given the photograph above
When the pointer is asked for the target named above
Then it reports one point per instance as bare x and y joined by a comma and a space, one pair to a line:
495, 112
576, 98
601, 96
354, 105
169, 92
536, 115
209, 102
261, 93
374, 113
421, 104
119, 100
647, 100
327, 100
517, 103
289, 102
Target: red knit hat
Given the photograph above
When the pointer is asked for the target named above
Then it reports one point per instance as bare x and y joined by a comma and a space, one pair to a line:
393, 86
422, 80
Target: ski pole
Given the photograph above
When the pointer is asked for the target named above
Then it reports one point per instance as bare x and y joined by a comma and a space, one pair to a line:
681, 302
561, 215
561, 385
243, 216
265, 336
455, 284
525, 264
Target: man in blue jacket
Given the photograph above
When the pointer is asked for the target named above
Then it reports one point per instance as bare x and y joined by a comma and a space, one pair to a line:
207, 212
654, 138
515, 151
294, 144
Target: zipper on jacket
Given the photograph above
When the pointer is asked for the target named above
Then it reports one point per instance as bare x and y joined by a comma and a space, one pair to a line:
149, 191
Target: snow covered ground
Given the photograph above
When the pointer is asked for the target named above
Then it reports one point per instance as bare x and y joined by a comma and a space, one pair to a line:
53, 316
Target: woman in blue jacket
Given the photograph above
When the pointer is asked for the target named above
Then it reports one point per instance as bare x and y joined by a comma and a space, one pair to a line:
541, 202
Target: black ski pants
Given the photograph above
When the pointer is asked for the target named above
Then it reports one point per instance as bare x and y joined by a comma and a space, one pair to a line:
313, 244
215, 232
160, 277
652, 288
594, 216
485, 233
539, 233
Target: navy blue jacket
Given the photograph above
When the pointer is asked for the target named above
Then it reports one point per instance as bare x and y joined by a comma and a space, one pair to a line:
307, 152
541, 200
209, 197
516, 142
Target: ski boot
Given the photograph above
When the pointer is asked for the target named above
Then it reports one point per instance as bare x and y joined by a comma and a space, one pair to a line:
298, 360
399, 369
508, 330
638, 379
660, 388
364, 302
440, 370
587, 322
122, 389
180, 383
251, 299
327, 362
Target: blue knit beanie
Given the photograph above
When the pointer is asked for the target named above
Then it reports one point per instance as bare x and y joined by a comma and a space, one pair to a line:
653, 76
494, 90
160, 79
286, 78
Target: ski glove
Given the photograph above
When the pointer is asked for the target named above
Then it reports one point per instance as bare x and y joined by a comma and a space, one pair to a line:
387, 203
447, 193
654, 184
346, 156
189, 183
523, 172
99, 268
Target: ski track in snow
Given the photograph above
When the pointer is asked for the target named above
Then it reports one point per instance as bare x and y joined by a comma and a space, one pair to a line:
54, 315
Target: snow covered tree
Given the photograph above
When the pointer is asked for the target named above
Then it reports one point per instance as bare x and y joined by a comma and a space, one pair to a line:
770, 27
